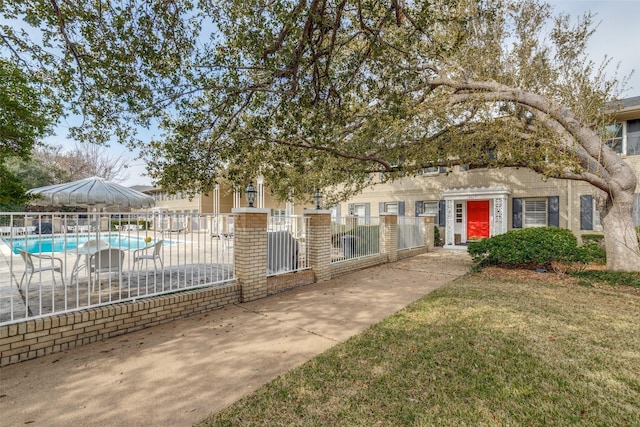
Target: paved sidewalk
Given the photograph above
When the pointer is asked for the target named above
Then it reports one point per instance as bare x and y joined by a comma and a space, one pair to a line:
179, 373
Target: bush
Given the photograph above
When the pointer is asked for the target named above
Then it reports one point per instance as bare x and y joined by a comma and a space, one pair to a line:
437, 240
593, 238
591, 252
528, 248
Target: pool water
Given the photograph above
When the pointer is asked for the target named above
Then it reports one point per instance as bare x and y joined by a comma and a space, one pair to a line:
48, 244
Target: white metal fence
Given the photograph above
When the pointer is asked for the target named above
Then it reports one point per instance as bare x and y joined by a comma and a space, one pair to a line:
287, 245
410, 233
59, 262
354, 238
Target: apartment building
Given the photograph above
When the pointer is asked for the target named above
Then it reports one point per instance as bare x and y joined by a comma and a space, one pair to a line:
471, 204
222, 199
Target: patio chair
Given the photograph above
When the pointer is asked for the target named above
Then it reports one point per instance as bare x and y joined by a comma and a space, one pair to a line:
226, 240
30, 267
149, 253
177, 230
110, 260
85, 250
43, 228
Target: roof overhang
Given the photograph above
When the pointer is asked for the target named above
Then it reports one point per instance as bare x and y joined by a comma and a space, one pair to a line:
476, 193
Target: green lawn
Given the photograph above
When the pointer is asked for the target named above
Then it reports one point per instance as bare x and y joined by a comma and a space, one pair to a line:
484, 350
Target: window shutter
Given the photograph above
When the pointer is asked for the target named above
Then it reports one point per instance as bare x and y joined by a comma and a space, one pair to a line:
586, 212
367, 210
418, 208
636, 210
516, 209
400, 208
553, 211
442, 213
381, 208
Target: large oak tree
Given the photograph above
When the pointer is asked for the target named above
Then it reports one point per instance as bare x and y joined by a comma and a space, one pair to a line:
326, 92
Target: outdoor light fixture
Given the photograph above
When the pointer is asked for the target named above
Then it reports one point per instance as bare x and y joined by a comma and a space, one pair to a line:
318, 198
250, 194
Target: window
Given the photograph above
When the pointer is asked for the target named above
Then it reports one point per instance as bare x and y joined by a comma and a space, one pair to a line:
432, 208
624, 138
430, 171
597, 226
362, 210
278, 215
589, 214
391, 207
335, 213
613, 133
535, 213
633, 137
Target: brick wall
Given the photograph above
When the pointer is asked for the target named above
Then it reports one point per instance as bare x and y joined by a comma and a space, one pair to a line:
286, 281
320, 248
37, 337
389, 236
344, 267
250, 251
407, 253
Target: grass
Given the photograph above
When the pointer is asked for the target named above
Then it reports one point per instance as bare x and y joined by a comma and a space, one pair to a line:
484, 350
609, 278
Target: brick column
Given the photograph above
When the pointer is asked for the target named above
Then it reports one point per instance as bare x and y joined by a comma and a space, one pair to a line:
428, 222
319, 235
250, 251
389, 236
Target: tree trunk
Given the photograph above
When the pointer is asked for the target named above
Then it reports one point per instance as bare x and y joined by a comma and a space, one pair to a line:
620, 237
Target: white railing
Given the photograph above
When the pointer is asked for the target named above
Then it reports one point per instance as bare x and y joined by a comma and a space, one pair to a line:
410, 233
353, 237
60, 262
287, 245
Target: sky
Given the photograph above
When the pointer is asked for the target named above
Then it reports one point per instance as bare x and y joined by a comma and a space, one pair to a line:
617, 34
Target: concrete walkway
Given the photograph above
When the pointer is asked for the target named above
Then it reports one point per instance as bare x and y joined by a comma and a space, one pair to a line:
179, 373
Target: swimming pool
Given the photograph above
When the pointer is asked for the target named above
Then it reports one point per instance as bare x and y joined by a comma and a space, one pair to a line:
48, 244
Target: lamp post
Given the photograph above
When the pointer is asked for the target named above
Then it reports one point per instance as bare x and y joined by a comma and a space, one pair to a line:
318, 198
250, 194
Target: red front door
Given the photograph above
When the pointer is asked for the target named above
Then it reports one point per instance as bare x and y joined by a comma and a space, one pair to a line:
477, 219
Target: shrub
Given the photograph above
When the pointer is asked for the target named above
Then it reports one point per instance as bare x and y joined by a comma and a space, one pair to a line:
591, 252
437, 240
527, 248
593, 238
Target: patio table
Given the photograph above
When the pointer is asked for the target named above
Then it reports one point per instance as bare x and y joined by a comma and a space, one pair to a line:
83, 252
